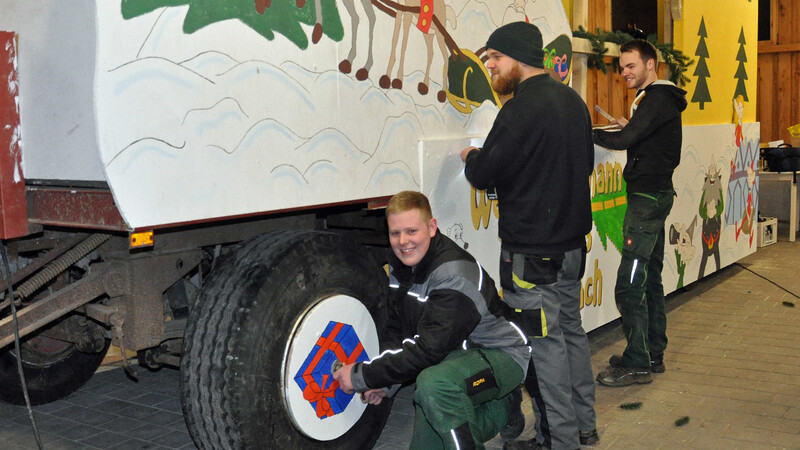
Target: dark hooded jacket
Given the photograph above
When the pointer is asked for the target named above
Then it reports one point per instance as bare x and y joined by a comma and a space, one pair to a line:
652, 137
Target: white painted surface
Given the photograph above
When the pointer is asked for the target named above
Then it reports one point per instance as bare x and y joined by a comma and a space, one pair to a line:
223, 122
56, 74
452, 202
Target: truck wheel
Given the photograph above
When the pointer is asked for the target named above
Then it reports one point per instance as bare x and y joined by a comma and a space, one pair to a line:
53, 370
263, 335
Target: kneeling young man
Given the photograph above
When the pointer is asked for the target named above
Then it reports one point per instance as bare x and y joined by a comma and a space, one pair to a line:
446, 332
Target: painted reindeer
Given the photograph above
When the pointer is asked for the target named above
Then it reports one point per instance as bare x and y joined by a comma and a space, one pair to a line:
404, 11
428, 22
346, 66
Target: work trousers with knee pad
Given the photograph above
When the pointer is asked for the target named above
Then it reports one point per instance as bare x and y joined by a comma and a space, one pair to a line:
545, 290
464, 400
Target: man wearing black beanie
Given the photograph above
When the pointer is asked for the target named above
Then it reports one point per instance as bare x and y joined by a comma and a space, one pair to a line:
538, 158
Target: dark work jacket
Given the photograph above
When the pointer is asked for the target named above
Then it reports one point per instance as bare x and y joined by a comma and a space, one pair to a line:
652, 137
447, 302
539, 156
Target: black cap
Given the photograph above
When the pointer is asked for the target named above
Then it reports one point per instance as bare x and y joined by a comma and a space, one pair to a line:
519, 40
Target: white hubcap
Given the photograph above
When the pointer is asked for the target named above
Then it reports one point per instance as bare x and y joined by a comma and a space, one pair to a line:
335, 328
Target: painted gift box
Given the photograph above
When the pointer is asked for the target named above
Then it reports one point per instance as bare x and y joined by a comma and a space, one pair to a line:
339, 342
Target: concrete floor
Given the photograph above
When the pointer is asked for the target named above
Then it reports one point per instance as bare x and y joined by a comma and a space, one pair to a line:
733, 368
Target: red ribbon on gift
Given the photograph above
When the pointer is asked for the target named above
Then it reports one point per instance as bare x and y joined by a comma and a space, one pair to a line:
313, 391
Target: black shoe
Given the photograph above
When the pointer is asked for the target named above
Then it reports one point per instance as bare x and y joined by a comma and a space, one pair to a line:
625, 376
615, 361
523, 445
589, 437
656, 363
516, 421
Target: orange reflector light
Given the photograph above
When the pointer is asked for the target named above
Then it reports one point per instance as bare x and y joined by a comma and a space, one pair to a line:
141, 239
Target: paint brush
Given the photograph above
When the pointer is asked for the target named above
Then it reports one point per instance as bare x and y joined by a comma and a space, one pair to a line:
604, 113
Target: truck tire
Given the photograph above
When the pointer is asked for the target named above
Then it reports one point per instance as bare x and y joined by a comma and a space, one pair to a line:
256, 320
53, 369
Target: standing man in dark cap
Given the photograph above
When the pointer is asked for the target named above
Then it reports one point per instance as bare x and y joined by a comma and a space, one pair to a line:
538, 157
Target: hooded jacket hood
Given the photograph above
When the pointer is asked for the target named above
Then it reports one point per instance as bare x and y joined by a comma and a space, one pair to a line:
677, 94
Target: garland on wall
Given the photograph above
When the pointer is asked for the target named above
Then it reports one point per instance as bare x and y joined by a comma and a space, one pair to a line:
677, 63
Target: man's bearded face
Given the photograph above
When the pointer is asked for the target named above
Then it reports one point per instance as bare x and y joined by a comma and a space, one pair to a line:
506, 80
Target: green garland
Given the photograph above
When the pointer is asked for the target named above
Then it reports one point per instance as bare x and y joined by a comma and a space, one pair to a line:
676, 61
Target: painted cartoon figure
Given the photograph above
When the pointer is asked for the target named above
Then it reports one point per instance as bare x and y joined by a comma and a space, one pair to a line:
515, 12
747, 216
711, 207
431, 16
682, 238
456, 233
738, 113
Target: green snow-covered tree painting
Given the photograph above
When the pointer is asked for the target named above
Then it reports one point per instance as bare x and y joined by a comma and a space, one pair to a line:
282, 17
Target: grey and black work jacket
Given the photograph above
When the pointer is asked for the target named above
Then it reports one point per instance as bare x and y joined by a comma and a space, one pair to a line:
446, 302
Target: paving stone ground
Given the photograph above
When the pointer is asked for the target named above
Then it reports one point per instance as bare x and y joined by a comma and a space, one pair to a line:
733, 368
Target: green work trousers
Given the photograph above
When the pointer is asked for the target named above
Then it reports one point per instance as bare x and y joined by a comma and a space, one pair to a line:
468, 392
639, 292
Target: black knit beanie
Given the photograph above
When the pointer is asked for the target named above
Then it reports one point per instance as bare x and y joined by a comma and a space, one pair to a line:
519, 40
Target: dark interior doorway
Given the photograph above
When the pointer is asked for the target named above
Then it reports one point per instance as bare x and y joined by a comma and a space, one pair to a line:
641, 13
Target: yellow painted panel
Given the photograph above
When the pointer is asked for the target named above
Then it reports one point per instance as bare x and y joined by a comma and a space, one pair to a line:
724, 21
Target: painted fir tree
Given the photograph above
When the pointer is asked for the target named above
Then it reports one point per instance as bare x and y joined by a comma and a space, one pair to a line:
741, 73
701, 94
264, 17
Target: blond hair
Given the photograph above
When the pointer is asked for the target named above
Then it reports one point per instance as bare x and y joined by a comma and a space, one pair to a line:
408, 200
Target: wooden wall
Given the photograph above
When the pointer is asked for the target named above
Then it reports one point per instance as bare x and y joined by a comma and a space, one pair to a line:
610, 92
779, 73
599, 14
607, 90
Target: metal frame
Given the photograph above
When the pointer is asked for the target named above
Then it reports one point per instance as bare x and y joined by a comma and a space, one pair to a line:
13, 213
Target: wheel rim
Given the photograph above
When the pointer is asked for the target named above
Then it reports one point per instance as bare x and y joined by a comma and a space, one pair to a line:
328, 330
43, 352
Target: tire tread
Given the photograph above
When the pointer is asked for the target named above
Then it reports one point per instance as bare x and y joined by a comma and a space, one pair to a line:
211, 394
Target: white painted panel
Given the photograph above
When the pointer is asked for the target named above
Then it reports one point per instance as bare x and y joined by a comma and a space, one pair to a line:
466, 217
221, 120
56, 73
